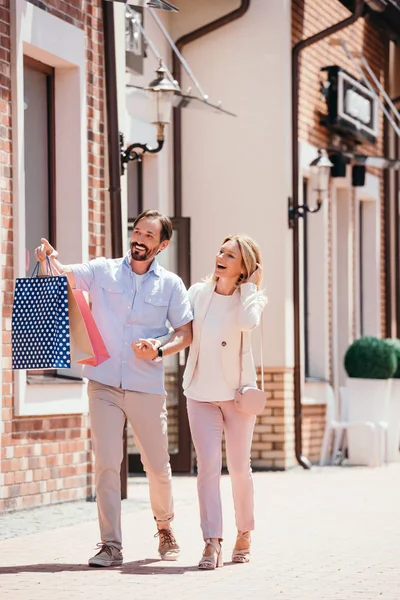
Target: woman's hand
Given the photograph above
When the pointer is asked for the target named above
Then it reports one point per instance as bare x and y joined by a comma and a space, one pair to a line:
45, 249
255, 277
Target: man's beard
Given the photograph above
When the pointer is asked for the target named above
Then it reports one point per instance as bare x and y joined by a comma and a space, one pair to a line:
140, 255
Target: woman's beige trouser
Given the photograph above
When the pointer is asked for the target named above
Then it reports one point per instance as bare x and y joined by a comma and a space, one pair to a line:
207, 421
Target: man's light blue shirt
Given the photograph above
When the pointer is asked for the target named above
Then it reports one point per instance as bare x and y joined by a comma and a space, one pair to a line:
125, 312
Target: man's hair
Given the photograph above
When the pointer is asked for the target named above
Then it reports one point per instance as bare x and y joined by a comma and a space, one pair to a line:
166, 225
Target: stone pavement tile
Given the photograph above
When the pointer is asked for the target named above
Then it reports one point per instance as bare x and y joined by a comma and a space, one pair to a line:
328, 534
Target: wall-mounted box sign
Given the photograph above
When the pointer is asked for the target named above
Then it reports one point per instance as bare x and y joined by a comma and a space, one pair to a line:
352, 108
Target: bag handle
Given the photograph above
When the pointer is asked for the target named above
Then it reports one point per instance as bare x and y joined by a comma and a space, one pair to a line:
49, 271
261, 354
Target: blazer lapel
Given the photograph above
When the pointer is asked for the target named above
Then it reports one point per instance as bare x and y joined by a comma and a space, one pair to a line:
203, 303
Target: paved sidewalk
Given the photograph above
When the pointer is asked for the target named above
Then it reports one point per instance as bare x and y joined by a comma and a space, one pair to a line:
330, 533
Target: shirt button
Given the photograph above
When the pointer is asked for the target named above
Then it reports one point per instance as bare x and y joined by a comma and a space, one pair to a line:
223, 344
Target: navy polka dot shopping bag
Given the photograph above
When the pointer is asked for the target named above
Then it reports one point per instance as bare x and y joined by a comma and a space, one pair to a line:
40, 329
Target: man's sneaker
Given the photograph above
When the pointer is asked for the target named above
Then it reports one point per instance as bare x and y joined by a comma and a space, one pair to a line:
109, 556
168, 547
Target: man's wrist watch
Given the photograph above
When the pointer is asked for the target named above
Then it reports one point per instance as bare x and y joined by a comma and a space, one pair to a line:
159, 355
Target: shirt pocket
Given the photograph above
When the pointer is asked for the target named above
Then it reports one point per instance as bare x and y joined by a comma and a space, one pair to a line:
113, 296
155, 311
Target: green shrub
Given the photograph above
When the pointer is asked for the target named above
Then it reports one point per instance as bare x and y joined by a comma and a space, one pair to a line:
395, 343
370, 358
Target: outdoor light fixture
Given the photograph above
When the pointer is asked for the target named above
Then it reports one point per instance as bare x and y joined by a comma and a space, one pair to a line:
320, 169
160, 94
340, 163
358, 175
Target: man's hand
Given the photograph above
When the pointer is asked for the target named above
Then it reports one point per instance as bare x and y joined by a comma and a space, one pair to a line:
146, 349
45, 249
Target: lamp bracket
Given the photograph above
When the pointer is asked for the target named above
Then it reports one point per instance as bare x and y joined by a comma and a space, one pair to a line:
295, 213
135, 151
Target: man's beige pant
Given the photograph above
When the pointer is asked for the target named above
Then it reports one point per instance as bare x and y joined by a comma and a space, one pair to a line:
108, 407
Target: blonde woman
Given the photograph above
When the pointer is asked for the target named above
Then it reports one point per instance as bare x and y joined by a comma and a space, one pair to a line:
225, 306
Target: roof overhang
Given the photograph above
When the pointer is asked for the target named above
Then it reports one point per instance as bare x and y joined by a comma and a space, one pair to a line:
385, 14
159, 4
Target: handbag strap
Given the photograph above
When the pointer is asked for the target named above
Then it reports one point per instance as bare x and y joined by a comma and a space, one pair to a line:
261, 354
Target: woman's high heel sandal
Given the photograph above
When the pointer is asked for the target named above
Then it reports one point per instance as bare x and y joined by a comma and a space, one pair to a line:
241, 551
214, 560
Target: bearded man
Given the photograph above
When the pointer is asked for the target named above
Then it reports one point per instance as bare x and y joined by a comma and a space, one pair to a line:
133, 301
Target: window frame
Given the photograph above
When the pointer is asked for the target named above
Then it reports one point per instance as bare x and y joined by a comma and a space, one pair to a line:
61, 46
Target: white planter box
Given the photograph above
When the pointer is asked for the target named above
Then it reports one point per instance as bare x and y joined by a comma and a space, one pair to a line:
368, 400
394, 423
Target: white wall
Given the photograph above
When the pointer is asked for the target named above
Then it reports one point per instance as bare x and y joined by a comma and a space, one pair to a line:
237, 171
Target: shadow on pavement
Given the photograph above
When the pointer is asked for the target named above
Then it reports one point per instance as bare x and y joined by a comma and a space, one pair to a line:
42, 568
138, 567
142, 567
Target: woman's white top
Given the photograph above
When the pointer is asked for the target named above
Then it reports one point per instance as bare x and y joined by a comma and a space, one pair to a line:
208, 383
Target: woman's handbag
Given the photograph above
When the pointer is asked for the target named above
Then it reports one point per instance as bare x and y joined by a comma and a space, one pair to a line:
251, 400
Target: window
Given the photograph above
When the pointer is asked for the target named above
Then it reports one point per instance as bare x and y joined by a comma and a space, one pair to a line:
368, 266
39, 141
361, 267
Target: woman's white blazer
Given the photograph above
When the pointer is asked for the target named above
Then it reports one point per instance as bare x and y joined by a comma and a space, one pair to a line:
249, 311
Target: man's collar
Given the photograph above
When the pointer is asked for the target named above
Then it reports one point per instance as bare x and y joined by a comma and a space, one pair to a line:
154, 267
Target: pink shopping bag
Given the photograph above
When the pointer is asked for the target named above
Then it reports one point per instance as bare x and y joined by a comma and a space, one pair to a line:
87, 345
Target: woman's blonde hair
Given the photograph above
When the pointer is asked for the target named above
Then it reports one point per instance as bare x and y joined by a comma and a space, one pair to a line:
251, 255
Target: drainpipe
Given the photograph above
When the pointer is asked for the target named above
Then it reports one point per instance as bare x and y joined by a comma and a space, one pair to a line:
296, 51
388, 236
177, 124
114, 171
397, 237
112, 128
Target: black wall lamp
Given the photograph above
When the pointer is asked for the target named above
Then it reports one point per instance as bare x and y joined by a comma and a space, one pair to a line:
320, 173
160, 94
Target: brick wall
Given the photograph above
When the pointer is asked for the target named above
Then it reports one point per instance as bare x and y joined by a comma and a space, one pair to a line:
48, 459
273, 442
308, 18
313, 427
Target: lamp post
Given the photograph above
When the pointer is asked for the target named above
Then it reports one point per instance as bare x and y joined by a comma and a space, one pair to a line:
160, 93
320, 173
